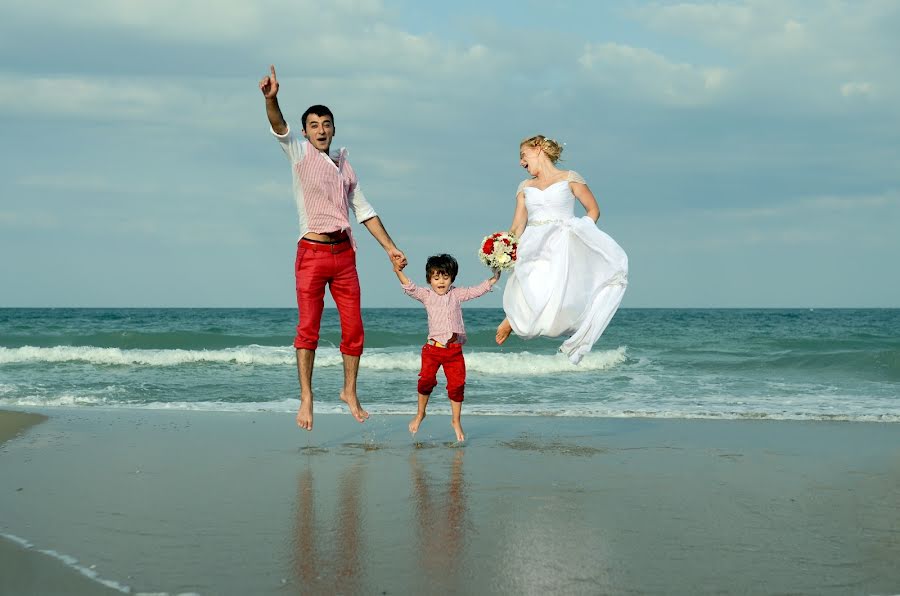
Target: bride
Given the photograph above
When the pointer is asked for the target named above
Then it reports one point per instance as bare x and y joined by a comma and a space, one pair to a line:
569, 276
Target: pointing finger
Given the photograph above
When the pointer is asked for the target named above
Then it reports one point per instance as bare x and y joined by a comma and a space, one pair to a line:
272, 68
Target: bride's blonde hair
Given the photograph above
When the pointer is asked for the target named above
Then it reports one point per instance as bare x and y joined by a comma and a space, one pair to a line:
550, 147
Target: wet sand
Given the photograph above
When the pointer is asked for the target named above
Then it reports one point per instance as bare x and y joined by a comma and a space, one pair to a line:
24, 570
244, 503
13, 424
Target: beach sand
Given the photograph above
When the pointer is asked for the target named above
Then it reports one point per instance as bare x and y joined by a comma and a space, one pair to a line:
24, 570
244, 503
13, 424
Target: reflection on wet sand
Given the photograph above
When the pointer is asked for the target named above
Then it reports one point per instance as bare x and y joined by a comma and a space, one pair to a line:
440, 526
337, 571
330, 531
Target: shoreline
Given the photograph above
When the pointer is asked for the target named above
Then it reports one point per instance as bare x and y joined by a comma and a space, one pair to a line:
471, 411
244, 502
14, 423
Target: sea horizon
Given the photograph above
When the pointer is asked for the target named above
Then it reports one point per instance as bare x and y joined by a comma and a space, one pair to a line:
419, 307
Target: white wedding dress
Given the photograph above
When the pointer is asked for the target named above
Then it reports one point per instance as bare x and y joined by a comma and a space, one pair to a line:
569, 276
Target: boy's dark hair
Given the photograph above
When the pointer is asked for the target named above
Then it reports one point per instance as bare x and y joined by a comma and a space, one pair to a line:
318, 110
441, 264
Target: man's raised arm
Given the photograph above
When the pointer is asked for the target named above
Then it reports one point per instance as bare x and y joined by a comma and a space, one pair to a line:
269, 87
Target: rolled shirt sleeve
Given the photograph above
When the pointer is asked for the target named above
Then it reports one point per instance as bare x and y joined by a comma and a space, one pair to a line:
293, 148
360, 205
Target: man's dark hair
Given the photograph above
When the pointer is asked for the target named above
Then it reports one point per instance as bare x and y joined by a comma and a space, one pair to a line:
318, 110
441, 264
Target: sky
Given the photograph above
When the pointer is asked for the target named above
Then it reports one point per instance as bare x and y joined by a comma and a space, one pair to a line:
744, 153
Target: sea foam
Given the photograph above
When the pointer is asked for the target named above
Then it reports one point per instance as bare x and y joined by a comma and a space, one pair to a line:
489, 363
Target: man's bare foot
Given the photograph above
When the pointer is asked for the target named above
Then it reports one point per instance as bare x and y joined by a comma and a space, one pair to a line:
460, 436
414, 425
305, 414
503, 331
355, 407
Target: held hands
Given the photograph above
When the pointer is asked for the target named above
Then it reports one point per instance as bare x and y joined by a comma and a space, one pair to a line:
398, 259
269, 84
398, 262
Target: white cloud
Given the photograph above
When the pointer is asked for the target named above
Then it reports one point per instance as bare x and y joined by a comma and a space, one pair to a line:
818, 205
370, 67
638, 72
79, 182
94, 97
744, 27
200, 104
342, 38
791, 49
197, 21
32, 219
857, 88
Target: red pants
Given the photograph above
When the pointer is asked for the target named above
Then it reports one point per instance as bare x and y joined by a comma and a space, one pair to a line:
319, 264
451, 358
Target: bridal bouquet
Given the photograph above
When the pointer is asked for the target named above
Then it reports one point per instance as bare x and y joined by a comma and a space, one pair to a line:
498, 251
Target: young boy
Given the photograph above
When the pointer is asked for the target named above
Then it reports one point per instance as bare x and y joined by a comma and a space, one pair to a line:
446, 332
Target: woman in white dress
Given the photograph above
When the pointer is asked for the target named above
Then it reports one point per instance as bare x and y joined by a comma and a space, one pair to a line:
569, 276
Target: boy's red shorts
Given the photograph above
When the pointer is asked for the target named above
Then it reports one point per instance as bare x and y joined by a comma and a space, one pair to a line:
451, 358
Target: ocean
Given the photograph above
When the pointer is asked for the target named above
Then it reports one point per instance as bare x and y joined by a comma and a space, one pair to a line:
796, 364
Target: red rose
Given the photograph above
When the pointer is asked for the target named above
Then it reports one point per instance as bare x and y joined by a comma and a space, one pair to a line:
488, 247
514, 251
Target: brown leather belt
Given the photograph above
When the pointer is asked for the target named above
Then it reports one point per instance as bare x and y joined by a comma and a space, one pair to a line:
339, 245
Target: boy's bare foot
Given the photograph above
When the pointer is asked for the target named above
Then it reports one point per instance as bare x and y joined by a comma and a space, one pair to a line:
414, 425
305, 414
355, 407
503, 331
460, 436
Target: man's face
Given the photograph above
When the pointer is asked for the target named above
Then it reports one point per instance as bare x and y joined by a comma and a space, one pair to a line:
319, 130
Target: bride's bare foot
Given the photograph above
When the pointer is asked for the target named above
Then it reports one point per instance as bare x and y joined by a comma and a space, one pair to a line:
503, 331
414, 425
457, 427
305, 414
355, 407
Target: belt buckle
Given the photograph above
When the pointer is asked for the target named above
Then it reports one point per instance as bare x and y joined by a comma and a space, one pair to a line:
336, 246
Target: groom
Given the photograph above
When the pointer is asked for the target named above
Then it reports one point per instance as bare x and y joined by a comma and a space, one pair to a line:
325, 189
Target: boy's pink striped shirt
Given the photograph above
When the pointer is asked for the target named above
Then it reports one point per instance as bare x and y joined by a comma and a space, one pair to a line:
445, 311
